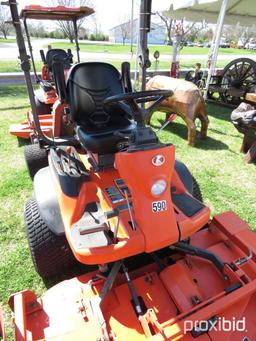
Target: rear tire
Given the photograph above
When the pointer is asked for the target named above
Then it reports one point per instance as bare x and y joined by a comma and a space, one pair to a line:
196, 191
50, 253
36, 158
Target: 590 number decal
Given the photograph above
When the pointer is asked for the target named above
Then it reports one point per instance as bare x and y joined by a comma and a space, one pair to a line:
159, 206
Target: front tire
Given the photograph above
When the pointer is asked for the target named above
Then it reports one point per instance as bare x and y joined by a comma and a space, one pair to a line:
196, 191
50, 253
36, 158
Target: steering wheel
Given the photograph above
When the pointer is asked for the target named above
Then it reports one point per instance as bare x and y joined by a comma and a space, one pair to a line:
134, 98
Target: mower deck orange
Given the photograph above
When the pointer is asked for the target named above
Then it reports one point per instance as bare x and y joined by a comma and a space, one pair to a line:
187, 289
26, 129
65, 311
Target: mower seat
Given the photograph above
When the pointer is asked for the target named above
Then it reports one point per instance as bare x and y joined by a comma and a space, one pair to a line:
100, 130
59, 55
46, 86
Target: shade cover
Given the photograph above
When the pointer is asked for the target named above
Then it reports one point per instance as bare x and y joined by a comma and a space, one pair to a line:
242, 11
55, 13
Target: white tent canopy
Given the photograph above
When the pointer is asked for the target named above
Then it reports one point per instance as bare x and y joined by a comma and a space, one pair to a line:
220, 11
242, 11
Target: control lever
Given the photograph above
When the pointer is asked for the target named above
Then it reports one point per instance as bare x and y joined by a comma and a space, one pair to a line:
68, 152
70, 165
112, 214
135, 298
119, 134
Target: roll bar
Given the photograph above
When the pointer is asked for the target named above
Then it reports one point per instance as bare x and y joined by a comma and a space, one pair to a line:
62, 13
25, 66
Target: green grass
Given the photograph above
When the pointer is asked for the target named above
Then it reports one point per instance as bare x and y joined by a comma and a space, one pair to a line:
227, 183
16, 269
163, 49
120, 48
14, 66
7, 41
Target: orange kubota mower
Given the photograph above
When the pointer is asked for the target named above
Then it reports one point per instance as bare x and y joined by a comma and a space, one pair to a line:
119, 200
50, 114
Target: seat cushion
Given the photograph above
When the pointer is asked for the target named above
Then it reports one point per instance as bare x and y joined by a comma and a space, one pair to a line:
105, 140
98, 125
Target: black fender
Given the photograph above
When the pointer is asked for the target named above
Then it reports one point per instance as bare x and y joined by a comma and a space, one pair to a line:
47, 201
185, 175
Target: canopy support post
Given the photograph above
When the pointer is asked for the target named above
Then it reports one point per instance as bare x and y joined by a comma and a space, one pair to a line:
132, 19
216, 43
25, 64
76, 40
144, 28
30, 49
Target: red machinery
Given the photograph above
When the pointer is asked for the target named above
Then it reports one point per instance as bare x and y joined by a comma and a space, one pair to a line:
119, 199
166, 270
46, 96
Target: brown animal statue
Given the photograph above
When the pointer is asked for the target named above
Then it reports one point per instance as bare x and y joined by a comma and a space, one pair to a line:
187, 102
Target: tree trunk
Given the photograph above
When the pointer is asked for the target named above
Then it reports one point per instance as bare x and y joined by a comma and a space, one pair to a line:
169, 37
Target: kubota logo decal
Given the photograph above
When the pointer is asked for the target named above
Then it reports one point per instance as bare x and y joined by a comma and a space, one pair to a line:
158, 160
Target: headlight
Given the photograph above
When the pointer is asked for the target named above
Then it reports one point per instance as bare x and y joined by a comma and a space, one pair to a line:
158, 187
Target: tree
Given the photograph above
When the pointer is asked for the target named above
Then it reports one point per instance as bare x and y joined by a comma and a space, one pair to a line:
125, 31
186, 30
4, 16
168, 22
248, 33
83, 33
190, 30
67, 27
37, 29
240, 33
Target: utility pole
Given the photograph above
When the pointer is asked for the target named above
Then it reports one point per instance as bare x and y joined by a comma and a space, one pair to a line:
132, 17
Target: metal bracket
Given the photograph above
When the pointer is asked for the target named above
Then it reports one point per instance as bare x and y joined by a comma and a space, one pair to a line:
245, 259
202, 253
150, 318
95, 302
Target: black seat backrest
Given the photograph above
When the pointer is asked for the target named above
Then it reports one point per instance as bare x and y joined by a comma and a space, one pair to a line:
58, 55
88, 85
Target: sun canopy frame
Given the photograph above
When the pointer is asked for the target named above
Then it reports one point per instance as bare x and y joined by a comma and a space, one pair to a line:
55, 13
